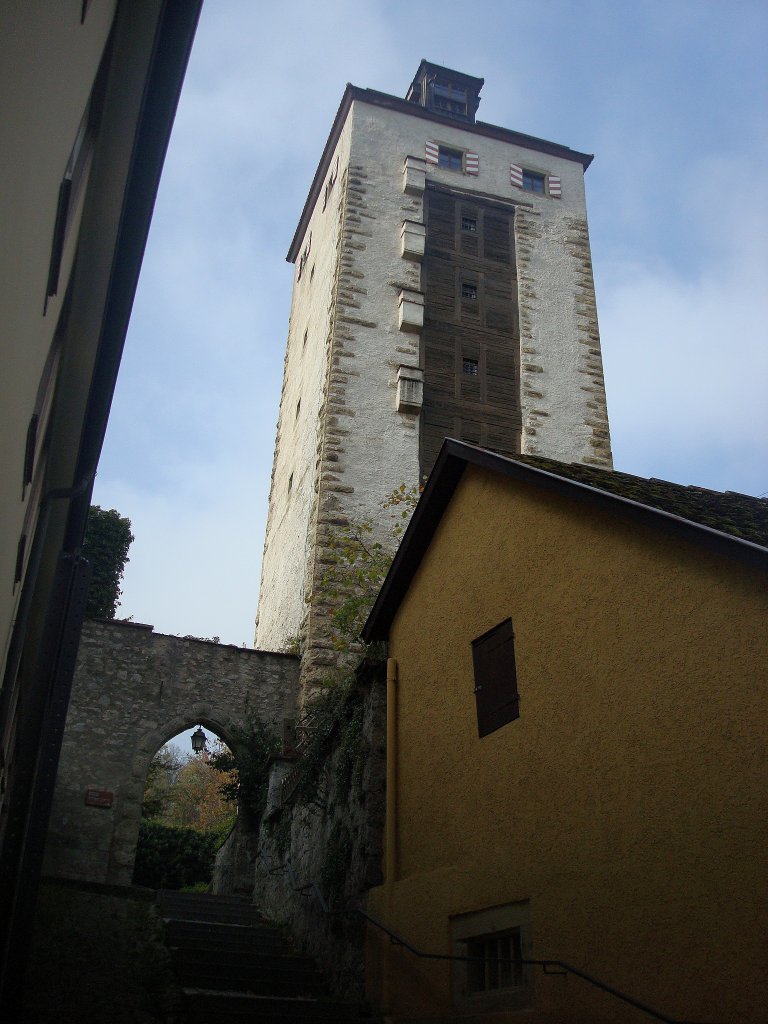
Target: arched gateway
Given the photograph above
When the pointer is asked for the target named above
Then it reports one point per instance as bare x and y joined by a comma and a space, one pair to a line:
133, 690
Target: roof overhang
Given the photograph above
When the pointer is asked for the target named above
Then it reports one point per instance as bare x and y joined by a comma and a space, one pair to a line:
382, 99
456, 456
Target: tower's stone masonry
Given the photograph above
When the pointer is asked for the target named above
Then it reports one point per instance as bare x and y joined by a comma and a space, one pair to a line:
349, 429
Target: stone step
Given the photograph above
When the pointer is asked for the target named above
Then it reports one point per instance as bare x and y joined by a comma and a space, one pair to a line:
276, 979
209, 935
194, 907
205, 1007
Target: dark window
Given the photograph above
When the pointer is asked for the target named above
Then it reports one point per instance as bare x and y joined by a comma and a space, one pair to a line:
468, 290
469, 223
298, 408
533, 182
452, 159
470, 366
306, 335
498, 964
290, 483
312, 273
20, 549
449, 99
29, 450
493, 658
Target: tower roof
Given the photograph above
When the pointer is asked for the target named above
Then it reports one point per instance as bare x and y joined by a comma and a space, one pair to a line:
381, 99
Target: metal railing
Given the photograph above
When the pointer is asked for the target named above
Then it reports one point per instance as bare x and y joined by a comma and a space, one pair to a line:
549, 967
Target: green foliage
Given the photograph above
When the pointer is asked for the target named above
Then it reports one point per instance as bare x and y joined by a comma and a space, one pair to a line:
357, 565
248, 773
162, 775
169, 858
107, 539
338, 856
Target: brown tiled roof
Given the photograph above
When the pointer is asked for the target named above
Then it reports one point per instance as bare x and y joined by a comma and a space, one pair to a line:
741, 515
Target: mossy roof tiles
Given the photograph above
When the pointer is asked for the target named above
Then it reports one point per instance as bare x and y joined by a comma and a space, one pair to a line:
740, 515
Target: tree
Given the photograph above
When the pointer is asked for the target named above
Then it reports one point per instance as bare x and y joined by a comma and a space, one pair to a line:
107, 539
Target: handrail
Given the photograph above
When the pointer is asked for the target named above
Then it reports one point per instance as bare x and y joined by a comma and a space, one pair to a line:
564, 968
547, 966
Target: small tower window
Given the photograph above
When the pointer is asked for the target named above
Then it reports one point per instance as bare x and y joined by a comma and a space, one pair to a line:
290, 483
470, 367
469, 223
451, 159
298, 408
468, 290
306, 335
533, 182
449, 99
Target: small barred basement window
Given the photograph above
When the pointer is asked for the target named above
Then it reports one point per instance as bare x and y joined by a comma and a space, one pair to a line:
496, 962
491, 946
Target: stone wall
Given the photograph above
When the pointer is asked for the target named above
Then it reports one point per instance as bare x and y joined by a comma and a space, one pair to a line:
332, 840
98, 956
133, 690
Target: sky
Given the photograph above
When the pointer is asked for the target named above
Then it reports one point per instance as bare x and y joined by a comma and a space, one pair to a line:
671, 97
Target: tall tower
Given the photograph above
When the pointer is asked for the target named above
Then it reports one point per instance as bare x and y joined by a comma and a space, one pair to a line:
443, 288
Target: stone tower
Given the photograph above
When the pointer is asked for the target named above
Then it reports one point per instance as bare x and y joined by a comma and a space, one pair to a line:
443, 287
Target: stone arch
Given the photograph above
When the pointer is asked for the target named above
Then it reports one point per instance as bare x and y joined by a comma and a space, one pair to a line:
133, 690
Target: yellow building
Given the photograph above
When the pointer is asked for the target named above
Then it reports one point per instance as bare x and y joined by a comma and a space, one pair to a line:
89, 92
576, 770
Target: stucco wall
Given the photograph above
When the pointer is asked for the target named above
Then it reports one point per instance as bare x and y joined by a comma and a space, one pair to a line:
133, 690
625, 802
36, 138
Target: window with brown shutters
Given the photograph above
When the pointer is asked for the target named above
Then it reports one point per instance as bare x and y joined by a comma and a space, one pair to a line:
470, 312
496, 696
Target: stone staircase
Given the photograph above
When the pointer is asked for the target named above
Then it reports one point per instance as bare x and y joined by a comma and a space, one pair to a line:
234, 966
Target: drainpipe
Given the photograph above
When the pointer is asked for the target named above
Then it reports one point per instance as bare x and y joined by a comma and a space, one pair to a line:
390, 828
390, 848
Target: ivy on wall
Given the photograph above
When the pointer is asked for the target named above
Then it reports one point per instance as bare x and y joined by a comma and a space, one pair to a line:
107, 539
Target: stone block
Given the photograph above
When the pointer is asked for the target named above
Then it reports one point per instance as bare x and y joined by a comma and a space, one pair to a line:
411, 310
412, 238
410, 389
414, 175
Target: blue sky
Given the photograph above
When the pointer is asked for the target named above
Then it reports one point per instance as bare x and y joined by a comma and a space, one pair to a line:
670, 97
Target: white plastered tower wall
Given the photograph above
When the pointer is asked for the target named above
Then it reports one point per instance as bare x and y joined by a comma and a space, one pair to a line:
346, 446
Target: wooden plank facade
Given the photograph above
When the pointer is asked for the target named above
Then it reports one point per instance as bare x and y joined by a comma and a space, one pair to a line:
471, 339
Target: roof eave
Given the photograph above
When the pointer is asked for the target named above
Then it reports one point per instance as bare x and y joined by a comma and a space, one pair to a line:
453, 459
382, 99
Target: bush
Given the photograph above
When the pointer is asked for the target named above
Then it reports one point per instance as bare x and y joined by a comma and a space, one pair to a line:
169, 858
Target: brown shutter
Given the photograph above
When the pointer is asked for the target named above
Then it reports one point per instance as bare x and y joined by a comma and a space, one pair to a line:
493, 658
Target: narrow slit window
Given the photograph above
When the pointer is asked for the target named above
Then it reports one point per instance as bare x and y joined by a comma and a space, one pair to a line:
298, 408
290, 483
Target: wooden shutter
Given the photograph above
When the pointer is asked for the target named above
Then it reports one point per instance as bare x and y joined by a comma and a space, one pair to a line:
496, 696
555, 189
516, 175
471, 163
431, 152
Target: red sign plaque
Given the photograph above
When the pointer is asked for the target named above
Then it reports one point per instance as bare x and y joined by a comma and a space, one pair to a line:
98, 797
